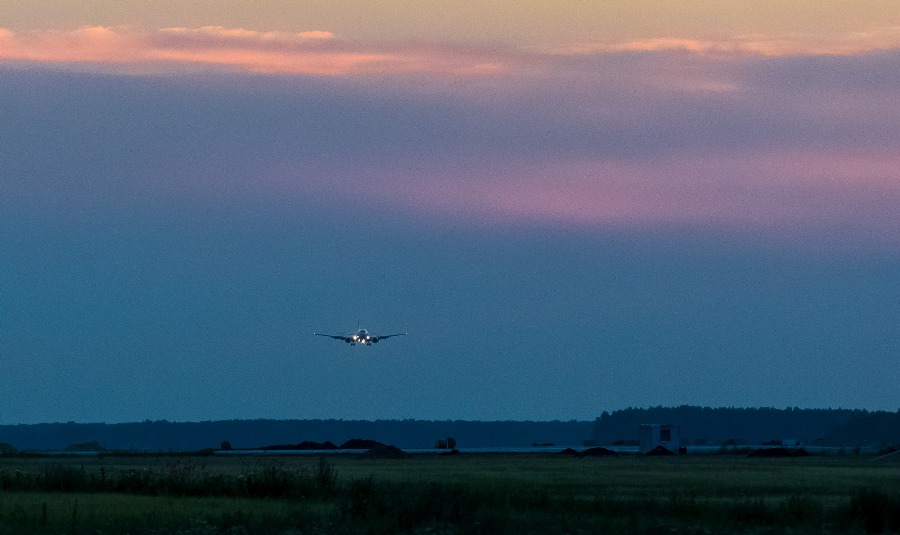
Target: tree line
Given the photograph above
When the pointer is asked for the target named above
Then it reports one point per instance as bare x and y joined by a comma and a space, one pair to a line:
706, 425
699, 425
163, 435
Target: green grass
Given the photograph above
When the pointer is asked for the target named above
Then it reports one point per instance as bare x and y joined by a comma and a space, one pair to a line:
459, 494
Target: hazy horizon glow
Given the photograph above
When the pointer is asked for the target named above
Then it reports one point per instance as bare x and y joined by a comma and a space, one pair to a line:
628, 204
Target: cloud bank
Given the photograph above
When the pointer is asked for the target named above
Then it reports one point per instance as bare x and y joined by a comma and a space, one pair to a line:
775, 135
320, 52
315, 52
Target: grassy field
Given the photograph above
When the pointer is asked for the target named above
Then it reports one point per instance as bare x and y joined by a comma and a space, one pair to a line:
483, 493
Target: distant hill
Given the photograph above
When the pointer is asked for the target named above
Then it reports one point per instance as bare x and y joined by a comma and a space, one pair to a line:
755, 426
164, 435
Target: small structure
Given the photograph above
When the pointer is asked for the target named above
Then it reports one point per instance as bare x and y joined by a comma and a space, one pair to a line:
448, 443
654, 435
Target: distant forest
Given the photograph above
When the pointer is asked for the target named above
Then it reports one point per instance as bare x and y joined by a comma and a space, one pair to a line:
699, 425
714, 426
241, 434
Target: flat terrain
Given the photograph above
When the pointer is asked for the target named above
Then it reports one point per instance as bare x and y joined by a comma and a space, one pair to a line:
478, 493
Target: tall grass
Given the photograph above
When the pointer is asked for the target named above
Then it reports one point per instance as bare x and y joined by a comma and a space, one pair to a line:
177, 478
465, 494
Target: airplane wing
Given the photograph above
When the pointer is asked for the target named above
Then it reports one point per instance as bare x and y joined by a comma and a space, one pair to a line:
383, 336
343, 337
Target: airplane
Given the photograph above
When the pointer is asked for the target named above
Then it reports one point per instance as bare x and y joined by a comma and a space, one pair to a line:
361, 337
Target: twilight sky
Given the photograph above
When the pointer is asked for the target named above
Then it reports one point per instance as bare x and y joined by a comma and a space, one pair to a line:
572, 207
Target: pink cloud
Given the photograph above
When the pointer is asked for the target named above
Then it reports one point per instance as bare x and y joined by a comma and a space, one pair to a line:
320, 63
86, 45
219, 32
315, 52
773, 194
806, 44
320, 52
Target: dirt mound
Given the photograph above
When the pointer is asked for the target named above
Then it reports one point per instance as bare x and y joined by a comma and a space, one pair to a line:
597, 452
385, 452
359, 444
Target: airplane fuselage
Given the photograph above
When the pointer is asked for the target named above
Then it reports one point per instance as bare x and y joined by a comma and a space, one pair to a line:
362, 336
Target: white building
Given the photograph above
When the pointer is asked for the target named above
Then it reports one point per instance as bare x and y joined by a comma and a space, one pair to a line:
665, 435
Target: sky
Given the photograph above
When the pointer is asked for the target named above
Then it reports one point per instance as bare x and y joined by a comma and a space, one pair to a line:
572, 207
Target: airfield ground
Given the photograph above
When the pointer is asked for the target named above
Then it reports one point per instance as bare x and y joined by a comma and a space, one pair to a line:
478, 493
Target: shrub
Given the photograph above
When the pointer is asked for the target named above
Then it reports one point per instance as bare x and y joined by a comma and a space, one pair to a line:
875, 511
324, 476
